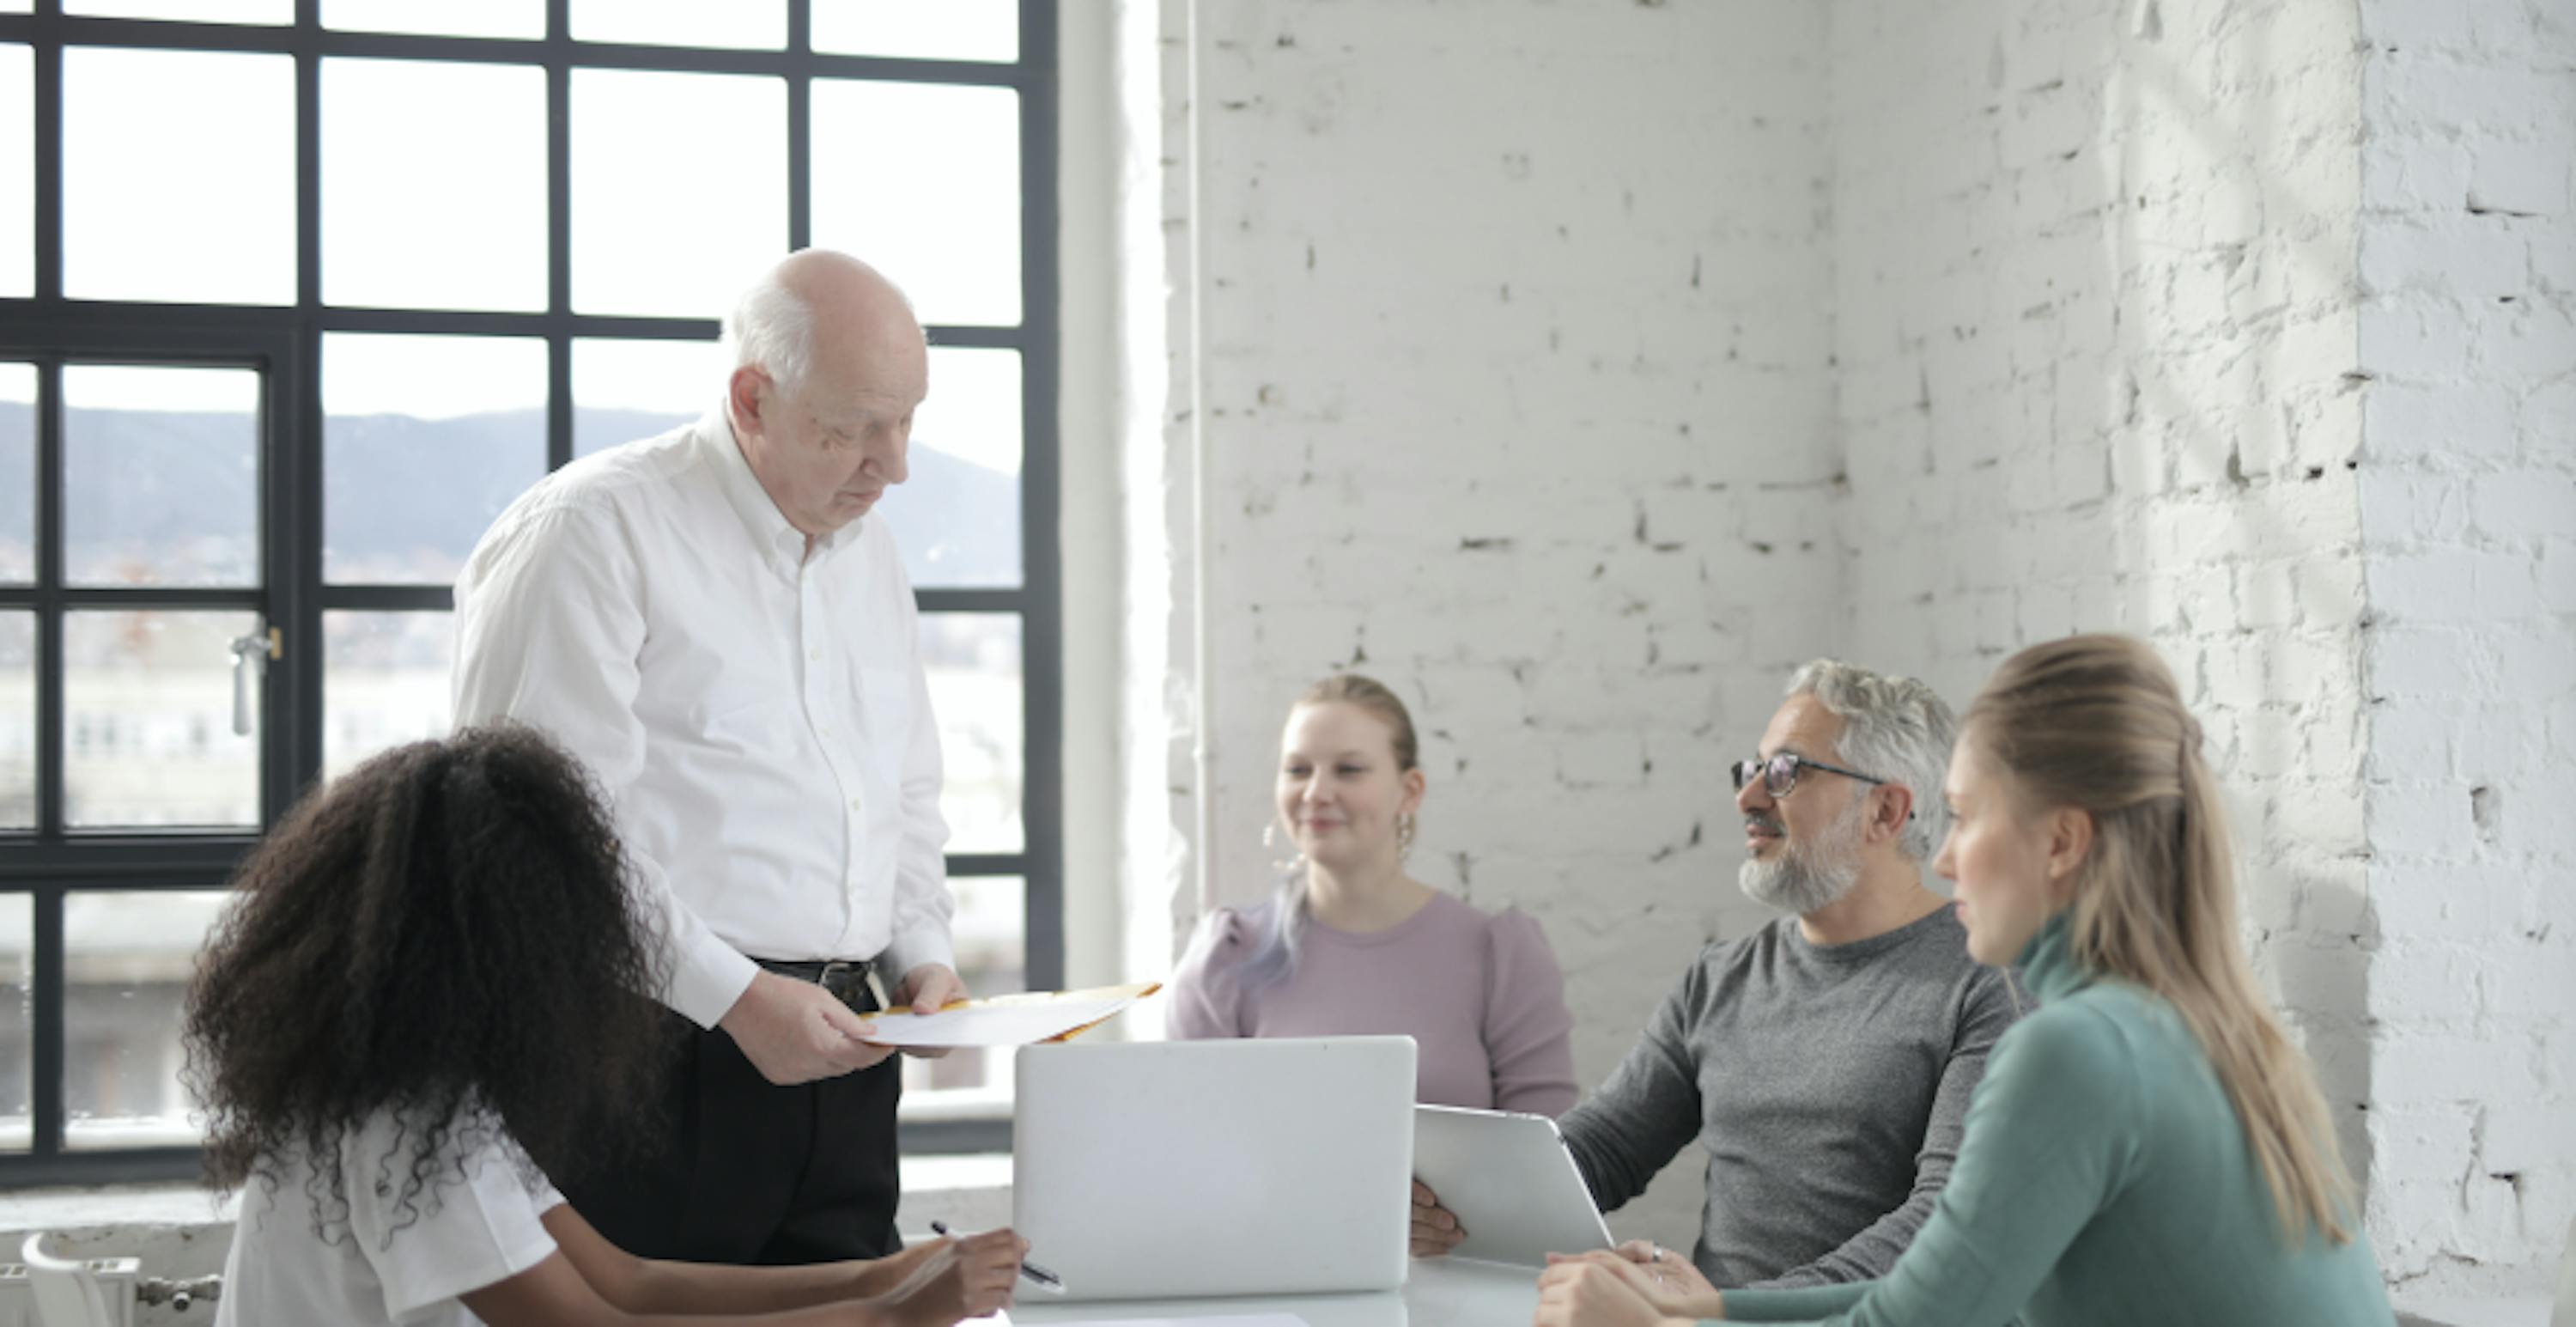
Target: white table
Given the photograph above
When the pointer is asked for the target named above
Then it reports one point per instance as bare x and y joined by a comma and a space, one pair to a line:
1440, 1292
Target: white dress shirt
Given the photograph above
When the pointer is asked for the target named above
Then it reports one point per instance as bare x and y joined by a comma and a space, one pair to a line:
759, 716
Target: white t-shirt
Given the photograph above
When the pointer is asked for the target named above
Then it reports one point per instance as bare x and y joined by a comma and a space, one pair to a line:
389, 1264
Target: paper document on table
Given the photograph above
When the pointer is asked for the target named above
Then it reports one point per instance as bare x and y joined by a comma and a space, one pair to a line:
1007, 1020
1194, 1320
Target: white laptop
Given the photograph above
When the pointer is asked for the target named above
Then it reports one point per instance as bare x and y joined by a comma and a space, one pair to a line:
1511, 1182
1156, 1170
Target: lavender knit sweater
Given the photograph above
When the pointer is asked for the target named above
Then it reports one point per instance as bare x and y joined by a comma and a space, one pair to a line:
1480, 996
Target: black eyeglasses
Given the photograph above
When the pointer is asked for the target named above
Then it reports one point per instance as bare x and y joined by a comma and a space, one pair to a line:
1779, 774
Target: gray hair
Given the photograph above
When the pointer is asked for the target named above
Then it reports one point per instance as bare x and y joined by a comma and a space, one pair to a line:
1894, 728
771, 329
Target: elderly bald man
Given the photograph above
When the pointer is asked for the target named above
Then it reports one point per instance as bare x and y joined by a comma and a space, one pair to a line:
712, 623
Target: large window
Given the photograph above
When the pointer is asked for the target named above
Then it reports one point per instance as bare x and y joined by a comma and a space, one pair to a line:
296, 295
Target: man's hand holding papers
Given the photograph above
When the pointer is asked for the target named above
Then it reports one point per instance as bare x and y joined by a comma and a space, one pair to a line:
1006, 1020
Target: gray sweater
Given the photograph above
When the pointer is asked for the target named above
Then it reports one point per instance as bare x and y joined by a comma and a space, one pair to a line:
1828, 1086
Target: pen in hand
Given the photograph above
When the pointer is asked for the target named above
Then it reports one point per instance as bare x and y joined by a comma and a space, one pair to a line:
1038, 1276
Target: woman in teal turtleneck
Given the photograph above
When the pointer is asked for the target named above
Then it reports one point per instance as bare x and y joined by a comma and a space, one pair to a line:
2147, 1147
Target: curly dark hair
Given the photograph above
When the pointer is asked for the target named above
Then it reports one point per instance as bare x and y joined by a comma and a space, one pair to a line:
445, 933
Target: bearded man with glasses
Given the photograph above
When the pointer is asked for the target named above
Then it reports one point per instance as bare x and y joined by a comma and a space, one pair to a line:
1825, 1061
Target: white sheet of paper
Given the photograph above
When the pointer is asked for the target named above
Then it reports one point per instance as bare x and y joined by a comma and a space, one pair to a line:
1231, 1320
995, 1025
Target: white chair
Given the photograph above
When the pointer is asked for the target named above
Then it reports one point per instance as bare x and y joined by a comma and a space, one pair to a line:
66, 1294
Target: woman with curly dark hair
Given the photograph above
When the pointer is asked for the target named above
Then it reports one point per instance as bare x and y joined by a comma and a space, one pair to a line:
425, 1002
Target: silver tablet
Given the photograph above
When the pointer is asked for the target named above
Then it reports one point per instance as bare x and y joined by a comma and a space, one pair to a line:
1511, 1182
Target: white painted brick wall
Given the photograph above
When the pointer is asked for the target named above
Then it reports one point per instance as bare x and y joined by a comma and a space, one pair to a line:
1157, 715
1579, 366
2095, 315
2468, 513
2339, 358
1512, 411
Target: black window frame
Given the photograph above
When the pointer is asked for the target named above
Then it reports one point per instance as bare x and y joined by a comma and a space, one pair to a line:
284, 343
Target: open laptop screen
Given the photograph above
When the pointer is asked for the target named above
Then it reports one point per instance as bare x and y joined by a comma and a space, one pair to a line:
1195, 1168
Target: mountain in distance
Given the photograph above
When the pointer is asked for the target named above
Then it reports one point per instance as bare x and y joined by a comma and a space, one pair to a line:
405, 498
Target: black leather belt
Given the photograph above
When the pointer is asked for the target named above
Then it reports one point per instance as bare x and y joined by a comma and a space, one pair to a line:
846, 979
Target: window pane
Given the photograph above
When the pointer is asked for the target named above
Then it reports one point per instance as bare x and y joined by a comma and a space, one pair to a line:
17, 1022
973, 662
924, 182
384, 683
433, 185
949, 30
990, 931
17, 725
270, 13
957, 518
161, 475
651, 234
126, 963
439, 18
17, 172
746, 24
624, 390
148, 721
424, 440
152, 140
17, 474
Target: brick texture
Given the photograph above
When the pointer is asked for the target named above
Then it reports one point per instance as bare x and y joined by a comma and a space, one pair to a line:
2468, 519
2097, 328
1577, 367
1506, 409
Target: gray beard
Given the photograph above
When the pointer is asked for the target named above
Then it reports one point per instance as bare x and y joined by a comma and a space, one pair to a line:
1807, 878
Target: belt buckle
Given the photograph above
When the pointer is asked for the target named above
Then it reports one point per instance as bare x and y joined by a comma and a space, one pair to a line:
840, 976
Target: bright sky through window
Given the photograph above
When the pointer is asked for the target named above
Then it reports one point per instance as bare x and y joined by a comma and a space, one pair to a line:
679, 189
178, 176
522, 19
431, 377
124, 387
17, 172
986, 30
442, 210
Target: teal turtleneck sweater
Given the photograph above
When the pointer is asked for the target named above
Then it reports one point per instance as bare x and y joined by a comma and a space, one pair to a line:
2103, 1181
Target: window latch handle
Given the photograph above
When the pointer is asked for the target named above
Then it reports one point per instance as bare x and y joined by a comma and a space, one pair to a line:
251, 654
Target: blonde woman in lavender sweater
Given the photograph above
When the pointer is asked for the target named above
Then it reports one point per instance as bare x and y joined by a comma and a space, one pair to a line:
1351, 944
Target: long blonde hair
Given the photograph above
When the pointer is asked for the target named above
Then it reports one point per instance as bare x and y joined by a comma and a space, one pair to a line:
2096, 723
